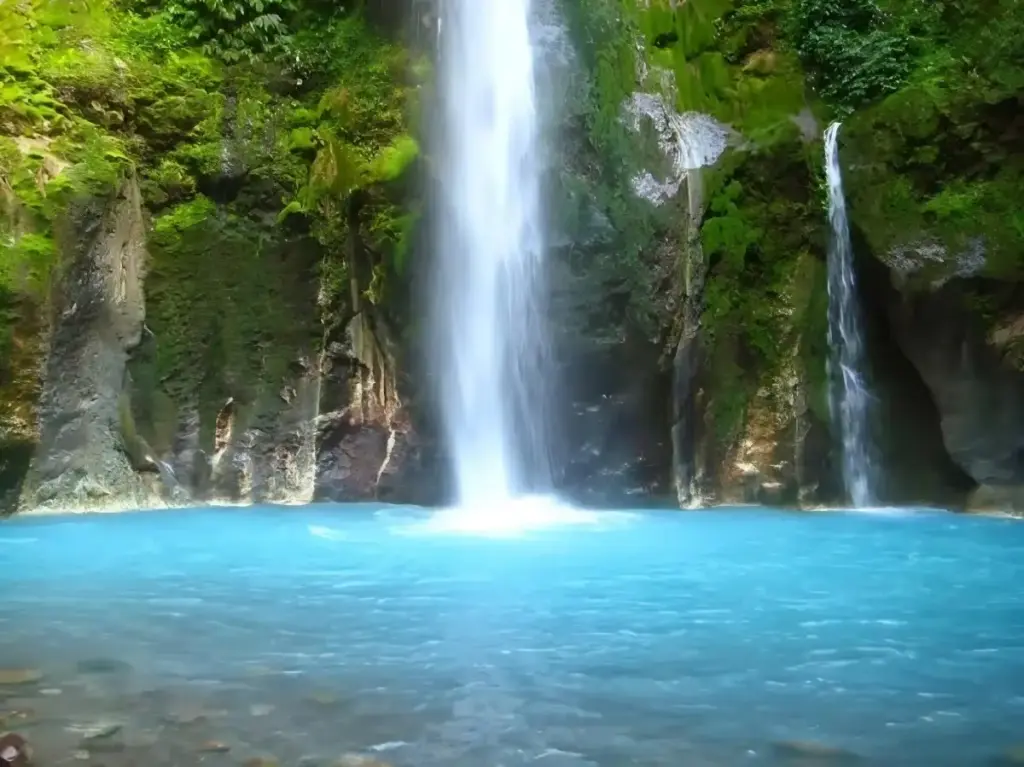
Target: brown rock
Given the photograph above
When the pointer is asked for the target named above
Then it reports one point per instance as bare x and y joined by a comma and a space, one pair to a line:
14, 750
323, 698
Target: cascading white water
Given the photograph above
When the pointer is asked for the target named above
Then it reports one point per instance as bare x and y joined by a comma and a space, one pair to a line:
849, 398
490, 345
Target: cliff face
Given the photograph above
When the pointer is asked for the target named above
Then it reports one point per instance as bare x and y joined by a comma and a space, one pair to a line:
209, 236
935, 169
702, 148
204, 226
930, 95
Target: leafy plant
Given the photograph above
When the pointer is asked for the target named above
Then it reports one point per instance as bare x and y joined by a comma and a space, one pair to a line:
235, 30
854, 52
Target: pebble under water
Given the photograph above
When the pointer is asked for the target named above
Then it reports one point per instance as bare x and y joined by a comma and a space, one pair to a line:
231, 636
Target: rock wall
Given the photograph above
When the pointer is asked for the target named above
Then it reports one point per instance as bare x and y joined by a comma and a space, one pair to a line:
740, 303
98, 312
208, 269
702, 157
201, 259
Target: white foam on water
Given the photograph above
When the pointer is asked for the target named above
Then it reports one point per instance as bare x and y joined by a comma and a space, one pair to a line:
512, 518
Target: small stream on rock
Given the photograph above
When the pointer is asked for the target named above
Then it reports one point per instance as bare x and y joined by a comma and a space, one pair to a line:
849, 397
338, 636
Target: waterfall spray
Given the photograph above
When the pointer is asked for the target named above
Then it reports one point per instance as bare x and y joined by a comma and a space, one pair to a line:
489, 343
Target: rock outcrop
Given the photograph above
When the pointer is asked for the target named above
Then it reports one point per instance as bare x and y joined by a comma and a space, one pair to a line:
977, 389
98, 314
367, 446
234, 322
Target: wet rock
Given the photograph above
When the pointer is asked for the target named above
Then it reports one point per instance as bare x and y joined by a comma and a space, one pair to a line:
97, 730
185, 719
105, 739
977, 390
260, 709
102, 666
323, 698
14, 750
17, 676
214, 747
1013, 757
807, 752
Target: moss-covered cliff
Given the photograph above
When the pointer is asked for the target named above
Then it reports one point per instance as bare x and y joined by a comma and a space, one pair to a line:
214, 204
268, 143
930, 94
725, 264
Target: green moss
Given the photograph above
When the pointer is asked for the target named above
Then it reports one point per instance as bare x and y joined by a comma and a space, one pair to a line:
228, 301
937, 162
92, 93
764, 298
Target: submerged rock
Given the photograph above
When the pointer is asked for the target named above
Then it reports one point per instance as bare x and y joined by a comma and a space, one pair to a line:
1013, 757
103, 738
323, 698
102, 666
261, 761
810, 752
359, 760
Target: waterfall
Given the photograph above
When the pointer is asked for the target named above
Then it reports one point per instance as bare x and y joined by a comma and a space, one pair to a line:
849, 399
489, 343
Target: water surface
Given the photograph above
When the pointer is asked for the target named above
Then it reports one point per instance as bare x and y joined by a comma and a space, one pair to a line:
646, 639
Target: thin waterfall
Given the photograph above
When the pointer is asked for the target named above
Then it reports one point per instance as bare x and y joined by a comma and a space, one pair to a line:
849, 399
490, 344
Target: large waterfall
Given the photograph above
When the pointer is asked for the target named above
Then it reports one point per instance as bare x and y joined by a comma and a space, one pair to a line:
490, 345
849, 398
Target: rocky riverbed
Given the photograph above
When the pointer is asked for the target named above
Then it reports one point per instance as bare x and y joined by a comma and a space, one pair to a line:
100, 712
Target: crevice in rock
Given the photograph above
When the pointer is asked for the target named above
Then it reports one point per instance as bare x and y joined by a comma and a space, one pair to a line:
916, 466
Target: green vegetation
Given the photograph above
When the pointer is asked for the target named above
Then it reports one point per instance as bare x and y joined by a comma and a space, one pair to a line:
251, 126
930, 93
763, 234
764, 239
854, 51
939, 161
